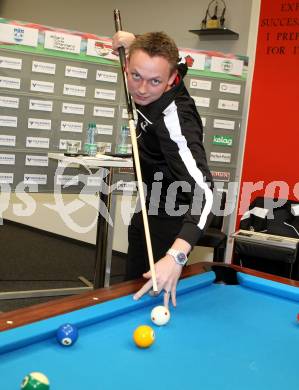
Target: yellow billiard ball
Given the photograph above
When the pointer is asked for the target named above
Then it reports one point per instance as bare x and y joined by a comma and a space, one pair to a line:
144, 336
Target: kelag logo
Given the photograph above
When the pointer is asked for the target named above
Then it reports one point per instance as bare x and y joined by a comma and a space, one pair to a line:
223, 140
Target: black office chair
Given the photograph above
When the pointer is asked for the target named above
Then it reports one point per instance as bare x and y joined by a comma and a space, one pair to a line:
258, 252
214, 236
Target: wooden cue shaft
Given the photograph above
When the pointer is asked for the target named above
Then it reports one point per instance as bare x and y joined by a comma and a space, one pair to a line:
142, 203
121, 51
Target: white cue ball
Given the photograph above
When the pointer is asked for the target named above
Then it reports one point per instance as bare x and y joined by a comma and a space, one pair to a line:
160, 315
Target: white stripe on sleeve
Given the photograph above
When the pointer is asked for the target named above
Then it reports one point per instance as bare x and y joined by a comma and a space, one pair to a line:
172, 124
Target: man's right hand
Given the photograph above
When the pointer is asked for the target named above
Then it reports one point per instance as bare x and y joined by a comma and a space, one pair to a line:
122, 38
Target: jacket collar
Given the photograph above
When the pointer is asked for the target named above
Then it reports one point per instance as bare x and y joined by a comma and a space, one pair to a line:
154, 110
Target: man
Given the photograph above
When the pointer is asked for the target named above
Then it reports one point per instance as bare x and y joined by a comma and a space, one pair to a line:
172, 158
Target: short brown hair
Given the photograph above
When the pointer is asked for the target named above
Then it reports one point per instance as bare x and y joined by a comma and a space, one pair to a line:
157, 44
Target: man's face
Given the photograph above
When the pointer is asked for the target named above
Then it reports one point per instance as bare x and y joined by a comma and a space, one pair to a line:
148, 77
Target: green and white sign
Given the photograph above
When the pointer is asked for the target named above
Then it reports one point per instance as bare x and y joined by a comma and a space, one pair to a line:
223, 140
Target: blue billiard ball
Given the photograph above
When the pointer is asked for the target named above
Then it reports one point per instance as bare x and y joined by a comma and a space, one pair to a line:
67, 334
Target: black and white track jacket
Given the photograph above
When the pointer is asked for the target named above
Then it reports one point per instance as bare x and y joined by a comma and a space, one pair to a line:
173, 160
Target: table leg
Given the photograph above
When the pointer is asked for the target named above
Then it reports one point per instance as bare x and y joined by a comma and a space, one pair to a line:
102, 231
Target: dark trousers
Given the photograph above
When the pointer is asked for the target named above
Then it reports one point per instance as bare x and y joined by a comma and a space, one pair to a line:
163, 232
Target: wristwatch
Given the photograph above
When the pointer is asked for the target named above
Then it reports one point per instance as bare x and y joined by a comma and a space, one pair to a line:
179, 257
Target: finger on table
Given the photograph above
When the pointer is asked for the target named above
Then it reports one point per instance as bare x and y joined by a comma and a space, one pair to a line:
173, 296
166, 298
144, 289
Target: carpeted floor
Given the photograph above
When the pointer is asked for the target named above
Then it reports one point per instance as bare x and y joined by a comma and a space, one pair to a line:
32, 259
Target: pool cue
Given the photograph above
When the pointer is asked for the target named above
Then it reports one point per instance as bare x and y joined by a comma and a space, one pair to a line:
122, 57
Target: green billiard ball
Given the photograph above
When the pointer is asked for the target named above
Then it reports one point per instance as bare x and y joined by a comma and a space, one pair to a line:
35, 381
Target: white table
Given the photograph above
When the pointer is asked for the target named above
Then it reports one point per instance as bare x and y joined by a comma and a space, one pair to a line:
104, 231
102, 161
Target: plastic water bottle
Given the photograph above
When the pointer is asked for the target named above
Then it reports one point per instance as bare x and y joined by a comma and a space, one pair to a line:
91, 132
90, 147
124, 145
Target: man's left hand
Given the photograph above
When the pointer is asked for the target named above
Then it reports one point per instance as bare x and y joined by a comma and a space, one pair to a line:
168, 273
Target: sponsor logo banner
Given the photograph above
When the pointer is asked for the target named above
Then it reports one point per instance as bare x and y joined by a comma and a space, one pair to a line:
220, 157
73, 71
224, 124
126, 186
125, 114
62, 42
6, 178
32, 178
193, 60
18, 35
41, 105
67, 180
41, 86
201, 84
10, 82
104, 129
43, 67
201, 101
230, 88
228, 105
227, 65
108, 94
110, 77
8, 121
71, 108
10, 102
74, 90
63, 143
7, 159
37, 142
10, 63
36, 161
100, 48
223, 140
220, 176
106, 145
7, 140
107, 112
38, 123
76, 127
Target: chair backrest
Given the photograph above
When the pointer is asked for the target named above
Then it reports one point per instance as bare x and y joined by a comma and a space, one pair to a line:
272, 216
219, 204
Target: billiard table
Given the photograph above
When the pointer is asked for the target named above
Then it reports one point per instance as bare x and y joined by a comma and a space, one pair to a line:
233, 328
